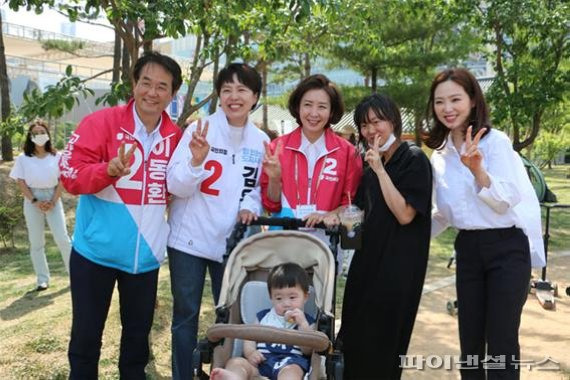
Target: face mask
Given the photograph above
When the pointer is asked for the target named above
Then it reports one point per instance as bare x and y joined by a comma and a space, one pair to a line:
388, 143
40, 140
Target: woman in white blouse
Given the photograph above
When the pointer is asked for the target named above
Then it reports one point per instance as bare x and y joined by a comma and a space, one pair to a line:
37, 174
481, 188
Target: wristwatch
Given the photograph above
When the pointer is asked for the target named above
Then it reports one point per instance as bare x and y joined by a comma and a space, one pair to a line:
34, 200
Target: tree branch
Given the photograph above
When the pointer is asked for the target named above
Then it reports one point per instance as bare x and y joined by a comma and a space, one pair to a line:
96, 75
84, 21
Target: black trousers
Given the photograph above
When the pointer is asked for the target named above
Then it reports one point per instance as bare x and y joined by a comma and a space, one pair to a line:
493, 274
91, 292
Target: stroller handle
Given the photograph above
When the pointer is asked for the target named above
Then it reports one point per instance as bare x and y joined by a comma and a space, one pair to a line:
316, 340
287, 224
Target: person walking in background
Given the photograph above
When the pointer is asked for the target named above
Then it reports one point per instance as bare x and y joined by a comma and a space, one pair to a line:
311, 172
117, 160
214, 177
482, 189
37, 174
386, 276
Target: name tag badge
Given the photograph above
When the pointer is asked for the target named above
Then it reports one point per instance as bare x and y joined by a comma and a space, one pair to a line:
304, 210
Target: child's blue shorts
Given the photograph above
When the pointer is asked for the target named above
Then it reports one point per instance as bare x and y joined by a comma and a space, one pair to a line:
272, 364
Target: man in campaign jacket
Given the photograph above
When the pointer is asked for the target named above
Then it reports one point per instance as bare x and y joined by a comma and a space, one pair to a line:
116, 160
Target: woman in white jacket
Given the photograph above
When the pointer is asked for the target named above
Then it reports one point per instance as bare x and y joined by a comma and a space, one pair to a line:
214, 178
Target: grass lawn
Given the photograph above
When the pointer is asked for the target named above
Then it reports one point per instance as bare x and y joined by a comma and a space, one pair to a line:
34, 327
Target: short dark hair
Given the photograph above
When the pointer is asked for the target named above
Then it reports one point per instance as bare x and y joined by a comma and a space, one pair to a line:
165, 61
383, 107
436, 135
29, 146
288, 275
245, 74
317, 82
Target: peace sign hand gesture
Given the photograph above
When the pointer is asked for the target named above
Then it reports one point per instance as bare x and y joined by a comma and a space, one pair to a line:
372, 156
472, 157
271, 163
121, 165
199, 146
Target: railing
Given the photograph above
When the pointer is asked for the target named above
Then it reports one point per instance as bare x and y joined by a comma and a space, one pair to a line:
34, 34
21, 64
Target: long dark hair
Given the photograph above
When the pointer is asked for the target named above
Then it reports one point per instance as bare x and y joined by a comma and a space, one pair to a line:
436, 135
29, 146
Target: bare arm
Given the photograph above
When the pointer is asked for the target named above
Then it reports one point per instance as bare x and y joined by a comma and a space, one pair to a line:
403, 212
302, 325
25, 189
57, 193
250, 352
274, 189
272, 168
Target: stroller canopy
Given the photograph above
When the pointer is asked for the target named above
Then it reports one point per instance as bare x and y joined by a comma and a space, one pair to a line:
268, 249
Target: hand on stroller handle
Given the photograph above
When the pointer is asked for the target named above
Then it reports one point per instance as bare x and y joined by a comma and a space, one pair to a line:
286, 223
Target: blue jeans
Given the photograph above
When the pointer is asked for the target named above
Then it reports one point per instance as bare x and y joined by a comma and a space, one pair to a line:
187, 275
36, 223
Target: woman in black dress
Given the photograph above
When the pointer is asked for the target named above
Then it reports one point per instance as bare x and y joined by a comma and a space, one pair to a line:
386, 276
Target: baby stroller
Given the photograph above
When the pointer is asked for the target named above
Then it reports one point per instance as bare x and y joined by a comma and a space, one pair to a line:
244, 293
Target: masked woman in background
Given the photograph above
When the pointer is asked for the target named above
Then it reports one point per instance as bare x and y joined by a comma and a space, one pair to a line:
37, 174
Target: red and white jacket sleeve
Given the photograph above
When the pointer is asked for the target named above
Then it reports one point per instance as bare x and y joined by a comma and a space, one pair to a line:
353, 176
268, 204
83, 164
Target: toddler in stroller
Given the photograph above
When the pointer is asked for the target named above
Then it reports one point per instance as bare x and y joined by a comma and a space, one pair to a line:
288, 286
245, 292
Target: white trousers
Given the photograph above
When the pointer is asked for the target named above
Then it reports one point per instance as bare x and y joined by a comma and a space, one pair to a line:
36, 221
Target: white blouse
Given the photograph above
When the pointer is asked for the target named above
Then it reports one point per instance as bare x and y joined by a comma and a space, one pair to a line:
37, 172
509, 201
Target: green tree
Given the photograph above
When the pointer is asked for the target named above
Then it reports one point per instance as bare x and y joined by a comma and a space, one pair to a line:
403, 43
530, 48
554, 136
7, 154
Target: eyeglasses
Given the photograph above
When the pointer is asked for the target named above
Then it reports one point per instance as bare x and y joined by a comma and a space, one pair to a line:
38, 133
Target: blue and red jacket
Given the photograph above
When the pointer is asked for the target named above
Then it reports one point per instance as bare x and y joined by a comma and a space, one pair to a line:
120, 221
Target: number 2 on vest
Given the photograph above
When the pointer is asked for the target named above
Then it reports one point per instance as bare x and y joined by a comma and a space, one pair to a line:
206, 186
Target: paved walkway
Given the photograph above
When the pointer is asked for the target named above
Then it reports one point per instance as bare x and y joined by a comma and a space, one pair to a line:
544, 334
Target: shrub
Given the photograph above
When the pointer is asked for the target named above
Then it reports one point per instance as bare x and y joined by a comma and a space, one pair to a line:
11, 214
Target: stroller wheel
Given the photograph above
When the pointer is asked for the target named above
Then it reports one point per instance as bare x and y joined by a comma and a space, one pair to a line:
335, 366
452, 307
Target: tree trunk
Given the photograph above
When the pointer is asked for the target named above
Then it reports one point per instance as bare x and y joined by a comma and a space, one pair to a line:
147, 46
373, 79
126, 62
418, 128
117, 58
7, 154
264, 94
307, 65
214, 100
536, 120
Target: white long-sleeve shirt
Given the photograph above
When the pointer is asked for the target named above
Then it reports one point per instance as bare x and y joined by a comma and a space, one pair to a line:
207, 199
509, 201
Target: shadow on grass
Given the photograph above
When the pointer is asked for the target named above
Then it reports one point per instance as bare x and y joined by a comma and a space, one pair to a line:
30, 302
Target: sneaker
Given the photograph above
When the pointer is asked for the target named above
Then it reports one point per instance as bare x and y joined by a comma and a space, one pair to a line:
41, 287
